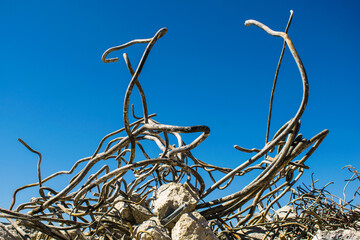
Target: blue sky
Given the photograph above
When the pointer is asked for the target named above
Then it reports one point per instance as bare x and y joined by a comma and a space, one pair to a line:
209, 69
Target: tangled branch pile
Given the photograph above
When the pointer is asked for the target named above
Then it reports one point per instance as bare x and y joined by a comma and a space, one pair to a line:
118, 203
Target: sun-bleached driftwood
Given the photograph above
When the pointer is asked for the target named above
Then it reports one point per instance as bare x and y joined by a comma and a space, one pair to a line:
118, 203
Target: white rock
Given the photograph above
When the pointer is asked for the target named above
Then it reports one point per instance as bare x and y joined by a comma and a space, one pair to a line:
75, 234
340, 234
152, 229
192, 226
7, 234
286, 211
171, 196
133, 213
253, 233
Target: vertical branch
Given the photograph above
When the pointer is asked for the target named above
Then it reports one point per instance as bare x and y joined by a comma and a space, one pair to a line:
275, 79
134, 79
141, 91
39, 161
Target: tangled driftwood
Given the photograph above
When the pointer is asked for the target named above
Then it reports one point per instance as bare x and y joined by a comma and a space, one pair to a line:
86, 206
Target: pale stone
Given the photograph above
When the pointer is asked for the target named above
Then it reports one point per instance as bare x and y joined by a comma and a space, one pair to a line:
340, 234
192, 226
75, 234
169, 197
130, 212
286, 211
7, 233
152, 229
253, 233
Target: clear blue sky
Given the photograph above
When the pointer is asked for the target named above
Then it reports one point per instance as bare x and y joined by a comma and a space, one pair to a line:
209, 69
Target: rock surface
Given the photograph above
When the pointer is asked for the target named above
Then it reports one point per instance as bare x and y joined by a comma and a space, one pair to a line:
8, 234
340, 234
76, 234
286, 212
192, 226
152, 229
171, 196
253, 233
130, 212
